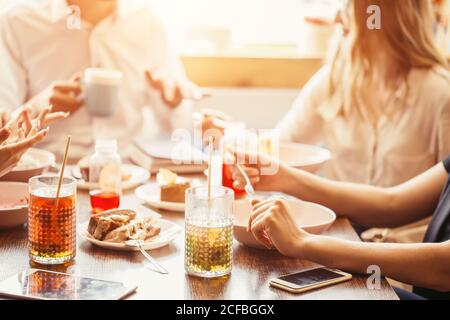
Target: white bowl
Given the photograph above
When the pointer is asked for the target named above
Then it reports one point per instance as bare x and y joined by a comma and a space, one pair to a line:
43, 160
11, 193
301, 156
311, 217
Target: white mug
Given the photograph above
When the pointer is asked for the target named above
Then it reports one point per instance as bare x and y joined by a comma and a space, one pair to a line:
102, 88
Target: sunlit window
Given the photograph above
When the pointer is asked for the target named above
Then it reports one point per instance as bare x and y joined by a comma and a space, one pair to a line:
250, 27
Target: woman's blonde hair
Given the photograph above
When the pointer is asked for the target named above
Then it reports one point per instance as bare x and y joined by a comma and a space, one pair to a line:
406, 36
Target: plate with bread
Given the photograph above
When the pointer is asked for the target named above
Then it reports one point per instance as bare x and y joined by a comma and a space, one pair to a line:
168, 193
112, 229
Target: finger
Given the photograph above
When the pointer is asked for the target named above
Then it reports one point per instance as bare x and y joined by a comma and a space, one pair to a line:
172, 95
76, 77
67, 88
154, 81
65, 102
43, 114
27, 142
27, 120
35, 129
262, 207
4, 118
5, 133
258, 230
55, 116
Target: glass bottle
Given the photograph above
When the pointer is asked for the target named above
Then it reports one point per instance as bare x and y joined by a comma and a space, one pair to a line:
105, 178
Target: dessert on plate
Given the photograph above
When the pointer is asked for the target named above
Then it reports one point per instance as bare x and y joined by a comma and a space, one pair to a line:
121, 225
172, 186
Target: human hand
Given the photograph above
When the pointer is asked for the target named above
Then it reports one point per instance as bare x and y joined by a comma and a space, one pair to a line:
23, 123
254, 166
11, 152
174, 91
66, 95
212, 123
272, 224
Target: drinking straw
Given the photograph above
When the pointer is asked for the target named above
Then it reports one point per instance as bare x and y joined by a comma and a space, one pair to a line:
211, 146
61, 174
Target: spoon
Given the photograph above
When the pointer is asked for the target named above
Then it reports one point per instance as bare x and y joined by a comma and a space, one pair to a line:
248, 185
138, 244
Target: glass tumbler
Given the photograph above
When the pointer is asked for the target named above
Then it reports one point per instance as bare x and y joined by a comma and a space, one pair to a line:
51, 221
209, 231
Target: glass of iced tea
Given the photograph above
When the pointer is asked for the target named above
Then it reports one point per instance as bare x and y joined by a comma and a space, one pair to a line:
209, 231
52, 221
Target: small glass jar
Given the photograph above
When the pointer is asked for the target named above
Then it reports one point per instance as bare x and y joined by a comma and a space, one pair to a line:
209, 231
105, 177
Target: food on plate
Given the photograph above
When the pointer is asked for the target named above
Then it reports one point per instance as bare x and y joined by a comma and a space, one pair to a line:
121, 225
27, 162
141, 229
172, 186
103, 223
14, 204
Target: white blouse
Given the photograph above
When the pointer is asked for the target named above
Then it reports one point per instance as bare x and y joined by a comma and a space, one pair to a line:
414, 137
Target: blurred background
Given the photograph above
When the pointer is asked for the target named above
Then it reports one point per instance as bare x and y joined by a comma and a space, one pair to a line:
255, 54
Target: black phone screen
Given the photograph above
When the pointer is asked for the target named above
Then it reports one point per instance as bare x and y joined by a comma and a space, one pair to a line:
310, 277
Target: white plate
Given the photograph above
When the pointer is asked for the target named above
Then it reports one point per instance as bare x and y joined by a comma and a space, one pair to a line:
43, 160
302, 156
151, 195
138, 176
169, 231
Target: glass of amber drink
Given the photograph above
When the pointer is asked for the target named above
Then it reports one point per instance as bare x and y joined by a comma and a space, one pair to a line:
52, 220
209, 231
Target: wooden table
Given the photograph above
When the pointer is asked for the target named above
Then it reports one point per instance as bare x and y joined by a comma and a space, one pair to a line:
252, 268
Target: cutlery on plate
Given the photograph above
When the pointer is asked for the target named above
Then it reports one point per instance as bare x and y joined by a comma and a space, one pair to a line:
139, 244
248, 185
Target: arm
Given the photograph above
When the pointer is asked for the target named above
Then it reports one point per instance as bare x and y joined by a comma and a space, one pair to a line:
425, 265
368, 205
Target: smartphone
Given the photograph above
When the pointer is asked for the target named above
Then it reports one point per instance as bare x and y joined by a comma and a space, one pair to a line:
310, 280
49, 285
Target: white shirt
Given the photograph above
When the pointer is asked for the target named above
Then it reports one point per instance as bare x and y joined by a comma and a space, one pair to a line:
37, 48
415, 137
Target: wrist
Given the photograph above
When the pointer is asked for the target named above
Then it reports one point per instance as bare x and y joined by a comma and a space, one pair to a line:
307, 246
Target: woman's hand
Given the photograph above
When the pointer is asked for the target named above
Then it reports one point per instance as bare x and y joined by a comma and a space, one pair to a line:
10, 153
173, 91
272, 224
265, 173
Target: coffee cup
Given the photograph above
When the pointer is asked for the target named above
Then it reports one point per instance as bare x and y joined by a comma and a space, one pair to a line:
102, 88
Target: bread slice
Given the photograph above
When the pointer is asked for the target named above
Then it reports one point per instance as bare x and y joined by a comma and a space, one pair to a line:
103, 223
142, 229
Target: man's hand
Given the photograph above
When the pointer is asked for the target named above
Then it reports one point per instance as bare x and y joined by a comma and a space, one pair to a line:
173, 91
66, 95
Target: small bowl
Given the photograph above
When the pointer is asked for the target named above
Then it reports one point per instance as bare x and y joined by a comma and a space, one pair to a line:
44, 159
301, 156
13, 192
311, 217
